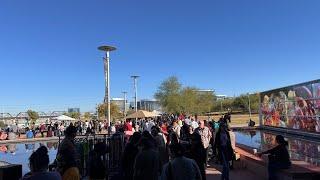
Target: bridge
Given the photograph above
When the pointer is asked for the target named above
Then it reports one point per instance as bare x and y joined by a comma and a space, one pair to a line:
7, 117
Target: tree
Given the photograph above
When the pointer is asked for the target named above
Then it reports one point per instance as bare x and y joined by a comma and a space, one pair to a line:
168, 94
115, 112
102, 109
74, 115
87, 116
188, 100
175, 99
204, 102
33, 115
242, 102
2, 125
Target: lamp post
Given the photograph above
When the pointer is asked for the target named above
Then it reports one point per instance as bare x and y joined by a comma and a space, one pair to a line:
124, 104
249, 103
106, 61
135, 92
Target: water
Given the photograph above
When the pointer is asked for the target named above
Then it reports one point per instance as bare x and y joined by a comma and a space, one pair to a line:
300, 149
20, 153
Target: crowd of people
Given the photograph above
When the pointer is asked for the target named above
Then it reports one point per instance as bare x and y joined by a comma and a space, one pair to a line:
51, 129
167, 148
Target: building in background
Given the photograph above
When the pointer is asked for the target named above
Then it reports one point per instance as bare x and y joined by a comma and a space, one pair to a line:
73, 110
221, 97
205, 90
149, 105
120, 103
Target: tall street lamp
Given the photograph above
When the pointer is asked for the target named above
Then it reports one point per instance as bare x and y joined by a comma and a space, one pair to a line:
124, 104
106, 61
135, 92
249, 105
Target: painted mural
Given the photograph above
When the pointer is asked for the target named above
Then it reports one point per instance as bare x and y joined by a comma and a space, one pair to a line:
295, 107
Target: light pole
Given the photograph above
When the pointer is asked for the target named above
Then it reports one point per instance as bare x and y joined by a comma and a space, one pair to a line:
106, 61
124, 103
249, 105
135, 92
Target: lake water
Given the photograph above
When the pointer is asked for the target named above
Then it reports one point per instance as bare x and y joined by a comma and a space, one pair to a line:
300, 149
20, 153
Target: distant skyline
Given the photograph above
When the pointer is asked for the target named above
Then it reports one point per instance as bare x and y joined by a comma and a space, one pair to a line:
49, 58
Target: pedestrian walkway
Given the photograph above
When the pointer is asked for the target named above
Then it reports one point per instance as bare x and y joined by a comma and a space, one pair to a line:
214, 173
24, 140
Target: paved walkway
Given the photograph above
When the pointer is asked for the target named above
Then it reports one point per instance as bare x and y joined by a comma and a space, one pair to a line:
22, 140
214, 173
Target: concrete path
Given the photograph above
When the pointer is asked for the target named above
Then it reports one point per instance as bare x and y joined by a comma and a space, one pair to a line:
214, 173
16, 141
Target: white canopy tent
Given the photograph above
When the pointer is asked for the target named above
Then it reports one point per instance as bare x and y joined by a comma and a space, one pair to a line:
157, 113
63, 118
142, 114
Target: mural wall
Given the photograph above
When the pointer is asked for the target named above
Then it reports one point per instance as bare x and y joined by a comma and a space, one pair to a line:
294, 107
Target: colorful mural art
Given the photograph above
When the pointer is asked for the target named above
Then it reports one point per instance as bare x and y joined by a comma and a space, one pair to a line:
295, 107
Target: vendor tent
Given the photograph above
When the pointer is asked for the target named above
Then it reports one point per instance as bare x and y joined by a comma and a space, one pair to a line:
157, 113
141, 114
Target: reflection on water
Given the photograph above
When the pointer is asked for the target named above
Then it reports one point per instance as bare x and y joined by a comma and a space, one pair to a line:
20, 153
299, 149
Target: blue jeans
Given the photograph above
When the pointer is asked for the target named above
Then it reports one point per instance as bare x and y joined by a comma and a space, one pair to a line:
274, 166
225, 165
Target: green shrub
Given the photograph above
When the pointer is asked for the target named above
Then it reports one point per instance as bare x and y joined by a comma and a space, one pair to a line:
2, 125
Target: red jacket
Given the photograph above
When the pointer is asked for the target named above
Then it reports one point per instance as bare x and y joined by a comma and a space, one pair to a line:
128, 127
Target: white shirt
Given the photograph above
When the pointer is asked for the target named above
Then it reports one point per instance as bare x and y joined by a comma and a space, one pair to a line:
194, 124
187, 121
150, 125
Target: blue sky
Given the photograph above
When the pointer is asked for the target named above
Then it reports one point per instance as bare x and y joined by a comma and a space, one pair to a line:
49, 58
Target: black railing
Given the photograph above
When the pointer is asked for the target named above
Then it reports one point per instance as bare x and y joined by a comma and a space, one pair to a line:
112, 160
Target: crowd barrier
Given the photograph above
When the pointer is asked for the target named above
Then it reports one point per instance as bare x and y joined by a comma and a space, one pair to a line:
112, 160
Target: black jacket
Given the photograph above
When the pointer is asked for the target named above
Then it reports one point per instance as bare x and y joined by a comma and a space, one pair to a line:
228, 152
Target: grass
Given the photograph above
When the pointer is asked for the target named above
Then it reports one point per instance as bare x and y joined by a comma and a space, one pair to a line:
237, 119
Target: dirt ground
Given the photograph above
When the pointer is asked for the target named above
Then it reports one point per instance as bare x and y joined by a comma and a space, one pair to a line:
236, 119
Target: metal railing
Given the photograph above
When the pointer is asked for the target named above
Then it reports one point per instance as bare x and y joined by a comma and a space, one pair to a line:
112, 160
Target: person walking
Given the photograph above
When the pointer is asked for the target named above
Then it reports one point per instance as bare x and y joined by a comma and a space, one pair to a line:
129, 155
49, 132
225, 151
147, 162
197, 152
42, 129
176, 128
180, 167
68, 159
96, 167
206, 135
161, 144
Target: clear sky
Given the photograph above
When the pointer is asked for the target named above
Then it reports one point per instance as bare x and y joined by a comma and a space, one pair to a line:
49, 58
